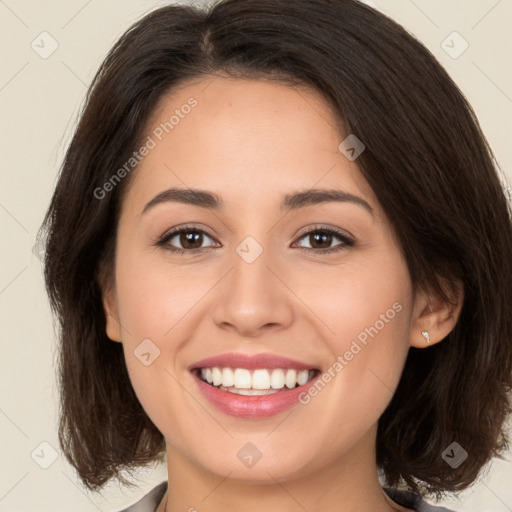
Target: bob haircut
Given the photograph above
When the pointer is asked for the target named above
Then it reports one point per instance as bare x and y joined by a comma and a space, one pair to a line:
426, 160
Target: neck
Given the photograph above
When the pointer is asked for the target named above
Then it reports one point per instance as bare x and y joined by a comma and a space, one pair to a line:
348, 484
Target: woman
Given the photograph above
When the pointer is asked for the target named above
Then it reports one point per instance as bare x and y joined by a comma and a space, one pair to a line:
280, 255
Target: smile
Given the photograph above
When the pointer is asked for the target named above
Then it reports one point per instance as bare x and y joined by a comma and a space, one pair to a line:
261, 381
253, 386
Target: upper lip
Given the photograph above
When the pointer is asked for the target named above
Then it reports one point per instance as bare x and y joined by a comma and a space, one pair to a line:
251, 362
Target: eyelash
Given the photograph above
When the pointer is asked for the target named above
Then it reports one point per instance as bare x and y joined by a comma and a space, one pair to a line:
346, 240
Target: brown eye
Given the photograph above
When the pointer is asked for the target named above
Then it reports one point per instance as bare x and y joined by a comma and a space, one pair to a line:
185, 239
190, 239
321, 240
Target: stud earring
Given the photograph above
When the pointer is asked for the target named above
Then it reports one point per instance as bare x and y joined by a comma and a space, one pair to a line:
426, 336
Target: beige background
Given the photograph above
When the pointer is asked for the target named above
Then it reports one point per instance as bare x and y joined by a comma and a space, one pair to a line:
39, 102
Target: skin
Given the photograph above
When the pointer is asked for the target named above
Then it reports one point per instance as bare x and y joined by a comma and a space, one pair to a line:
251, 142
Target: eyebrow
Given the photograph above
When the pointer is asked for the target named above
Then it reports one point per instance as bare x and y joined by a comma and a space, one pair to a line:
300, 199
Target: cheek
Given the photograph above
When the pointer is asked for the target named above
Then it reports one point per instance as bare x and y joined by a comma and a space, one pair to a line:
153, 298
367, 312
365, 300
159, 305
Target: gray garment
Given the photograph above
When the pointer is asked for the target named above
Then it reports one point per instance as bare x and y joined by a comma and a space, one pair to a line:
150, 501
407, 499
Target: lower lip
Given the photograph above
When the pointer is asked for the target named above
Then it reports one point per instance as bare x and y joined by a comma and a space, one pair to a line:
252, 407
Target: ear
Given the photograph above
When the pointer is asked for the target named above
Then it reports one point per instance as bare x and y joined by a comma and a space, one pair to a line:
434, 314
113, 326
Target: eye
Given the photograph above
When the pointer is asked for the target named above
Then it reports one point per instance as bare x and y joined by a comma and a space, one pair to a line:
189, 237
321, 238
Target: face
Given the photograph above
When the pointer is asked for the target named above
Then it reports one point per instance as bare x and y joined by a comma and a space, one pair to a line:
277, 288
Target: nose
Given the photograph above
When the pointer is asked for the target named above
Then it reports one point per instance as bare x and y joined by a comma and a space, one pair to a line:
253, 298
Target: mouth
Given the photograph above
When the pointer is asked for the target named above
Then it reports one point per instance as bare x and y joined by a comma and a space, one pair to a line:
255, 382
253, 386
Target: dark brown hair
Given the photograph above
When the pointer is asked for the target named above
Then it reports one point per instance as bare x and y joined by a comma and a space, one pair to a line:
426, 160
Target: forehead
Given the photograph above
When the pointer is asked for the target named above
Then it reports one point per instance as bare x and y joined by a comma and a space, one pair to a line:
246, 139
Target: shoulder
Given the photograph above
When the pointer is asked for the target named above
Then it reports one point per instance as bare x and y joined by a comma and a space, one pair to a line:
412, 500
149, 501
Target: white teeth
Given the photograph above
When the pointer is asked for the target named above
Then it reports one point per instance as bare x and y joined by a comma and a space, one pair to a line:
259, 382
291, 378
228, 379
260, 379
277, 379
242, 378
249, 392
216, 376
302, 377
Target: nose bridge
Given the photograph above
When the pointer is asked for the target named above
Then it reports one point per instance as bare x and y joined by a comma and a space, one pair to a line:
252, 296
251, 267
253, 254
